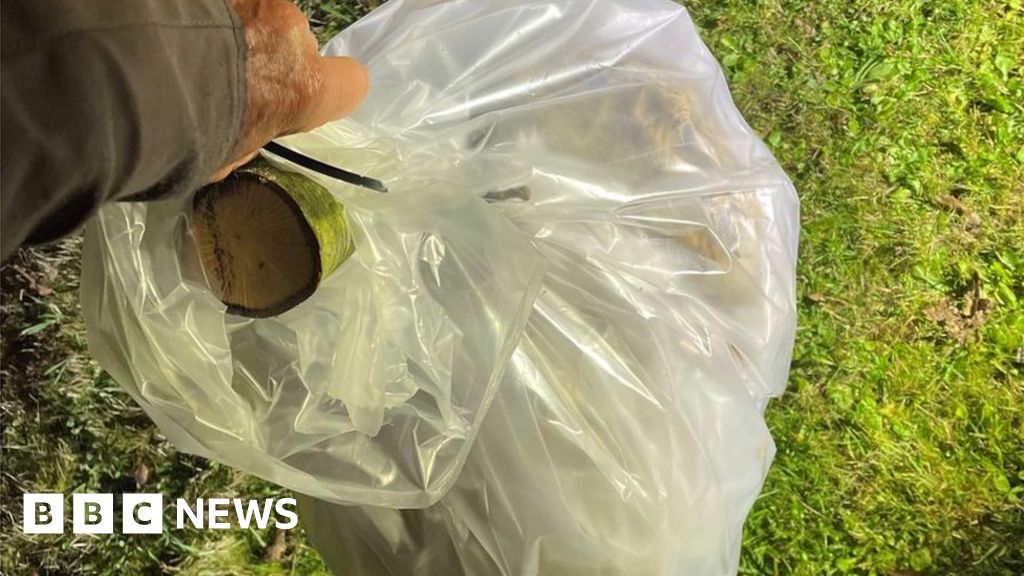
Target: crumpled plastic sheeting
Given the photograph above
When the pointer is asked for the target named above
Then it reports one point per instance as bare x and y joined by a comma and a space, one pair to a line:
553, 348
372, 390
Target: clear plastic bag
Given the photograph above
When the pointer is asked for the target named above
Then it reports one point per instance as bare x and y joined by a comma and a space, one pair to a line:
370, 391
552, 350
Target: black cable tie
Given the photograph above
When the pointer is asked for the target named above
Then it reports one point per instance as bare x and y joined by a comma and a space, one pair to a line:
325, 169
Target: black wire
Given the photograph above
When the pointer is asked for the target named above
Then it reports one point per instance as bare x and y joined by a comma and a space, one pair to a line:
325, 169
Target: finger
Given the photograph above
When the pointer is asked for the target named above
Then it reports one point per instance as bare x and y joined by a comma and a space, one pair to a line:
307, 40
345, 84
230, 167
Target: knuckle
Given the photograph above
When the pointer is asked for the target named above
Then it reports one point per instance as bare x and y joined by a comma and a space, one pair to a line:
291, 15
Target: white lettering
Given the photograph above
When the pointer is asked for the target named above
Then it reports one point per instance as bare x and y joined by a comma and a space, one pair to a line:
42, 513
252, 509
217, 508
282, 511
142, 513
196, 516
92, 513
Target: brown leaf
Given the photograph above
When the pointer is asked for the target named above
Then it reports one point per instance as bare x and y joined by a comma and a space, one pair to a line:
277, 547
961, 321
33, 283
141, 474
953, 203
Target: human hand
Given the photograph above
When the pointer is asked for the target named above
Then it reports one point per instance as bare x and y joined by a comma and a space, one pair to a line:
291, 88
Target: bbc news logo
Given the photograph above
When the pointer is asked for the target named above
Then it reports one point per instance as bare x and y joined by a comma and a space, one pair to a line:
144, 513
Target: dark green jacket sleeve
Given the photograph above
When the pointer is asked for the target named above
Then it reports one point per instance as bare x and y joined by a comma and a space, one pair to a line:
110, 99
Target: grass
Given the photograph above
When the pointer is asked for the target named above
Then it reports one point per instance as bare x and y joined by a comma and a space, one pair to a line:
901, 435
67, 427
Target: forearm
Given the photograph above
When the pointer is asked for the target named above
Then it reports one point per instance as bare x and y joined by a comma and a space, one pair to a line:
105, 100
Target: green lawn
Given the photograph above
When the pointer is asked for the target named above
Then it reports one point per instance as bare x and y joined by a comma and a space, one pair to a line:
901, 435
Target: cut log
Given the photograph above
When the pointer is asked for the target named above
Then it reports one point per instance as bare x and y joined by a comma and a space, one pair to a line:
267, 238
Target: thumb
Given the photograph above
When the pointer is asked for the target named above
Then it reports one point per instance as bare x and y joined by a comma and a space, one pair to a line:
345, 84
